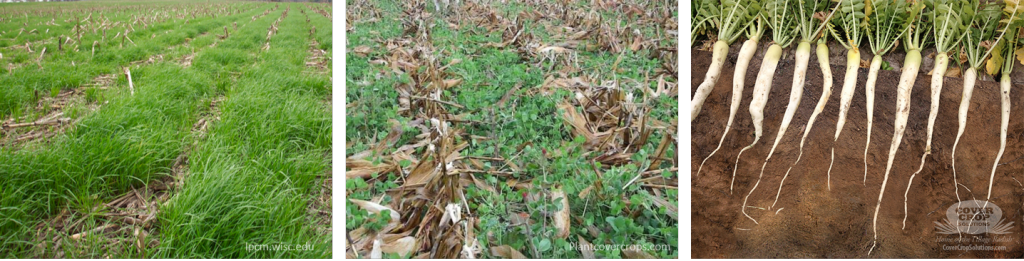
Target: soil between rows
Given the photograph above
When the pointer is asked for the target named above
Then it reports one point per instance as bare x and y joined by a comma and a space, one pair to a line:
809, 221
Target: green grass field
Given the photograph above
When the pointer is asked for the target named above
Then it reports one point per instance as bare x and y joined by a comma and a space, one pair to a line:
541, 129
217, 147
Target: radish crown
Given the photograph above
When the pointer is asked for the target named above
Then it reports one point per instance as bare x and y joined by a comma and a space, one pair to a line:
756, 29
1011, 32
918, 35
984, 25
887, 22
949, 22
779, 14
851, 21
733, 17
813, 18
703, 14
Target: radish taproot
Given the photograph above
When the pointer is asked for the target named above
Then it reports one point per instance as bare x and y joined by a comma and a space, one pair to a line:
977, 47
885, 26
826, 92
913, 43
782, 35
853, 25
947, 24
746, 53
732, 17
810, 25
1014, 24
826, 89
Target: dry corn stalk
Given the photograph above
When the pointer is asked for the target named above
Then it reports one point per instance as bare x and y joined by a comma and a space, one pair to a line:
39, 62
561, 218
131, 85
104, 228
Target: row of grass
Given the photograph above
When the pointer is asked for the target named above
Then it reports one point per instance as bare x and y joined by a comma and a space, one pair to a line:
131, 140
69, 69
53, 19
47, 35
251, 181
323, 28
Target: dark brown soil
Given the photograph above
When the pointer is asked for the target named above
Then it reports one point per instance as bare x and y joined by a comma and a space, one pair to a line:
809, 220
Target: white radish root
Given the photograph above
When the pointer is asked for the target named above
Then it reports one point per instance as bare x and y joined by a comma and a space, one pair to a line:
970, 77
869, 92
826, 93
739, 75
718, 55
906, 84
1004, 91
941, 62
845, 98
803, 54
762, 87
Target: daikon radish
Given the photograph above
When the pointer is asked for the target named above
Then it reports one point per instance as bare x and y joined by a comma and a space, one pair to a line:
851, 16
1005, 86
762, 87
809, 26
947, 22
739, 76
778, 15
983, 28
869, 93
826, 70
826, 88
733, 16
803, 53
885, 30
911, 65
845, 98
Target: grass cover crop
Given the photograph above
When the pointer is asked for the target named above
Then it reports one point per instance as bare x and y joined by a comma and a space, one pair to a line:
153, 152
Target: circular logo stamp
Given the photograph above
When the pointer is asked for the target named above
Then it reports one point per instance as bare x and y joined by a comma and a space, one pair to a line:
974, 217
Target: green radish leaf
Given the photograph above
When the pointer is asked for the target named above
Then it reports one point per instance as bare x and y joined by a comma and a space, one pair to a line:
544, 245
